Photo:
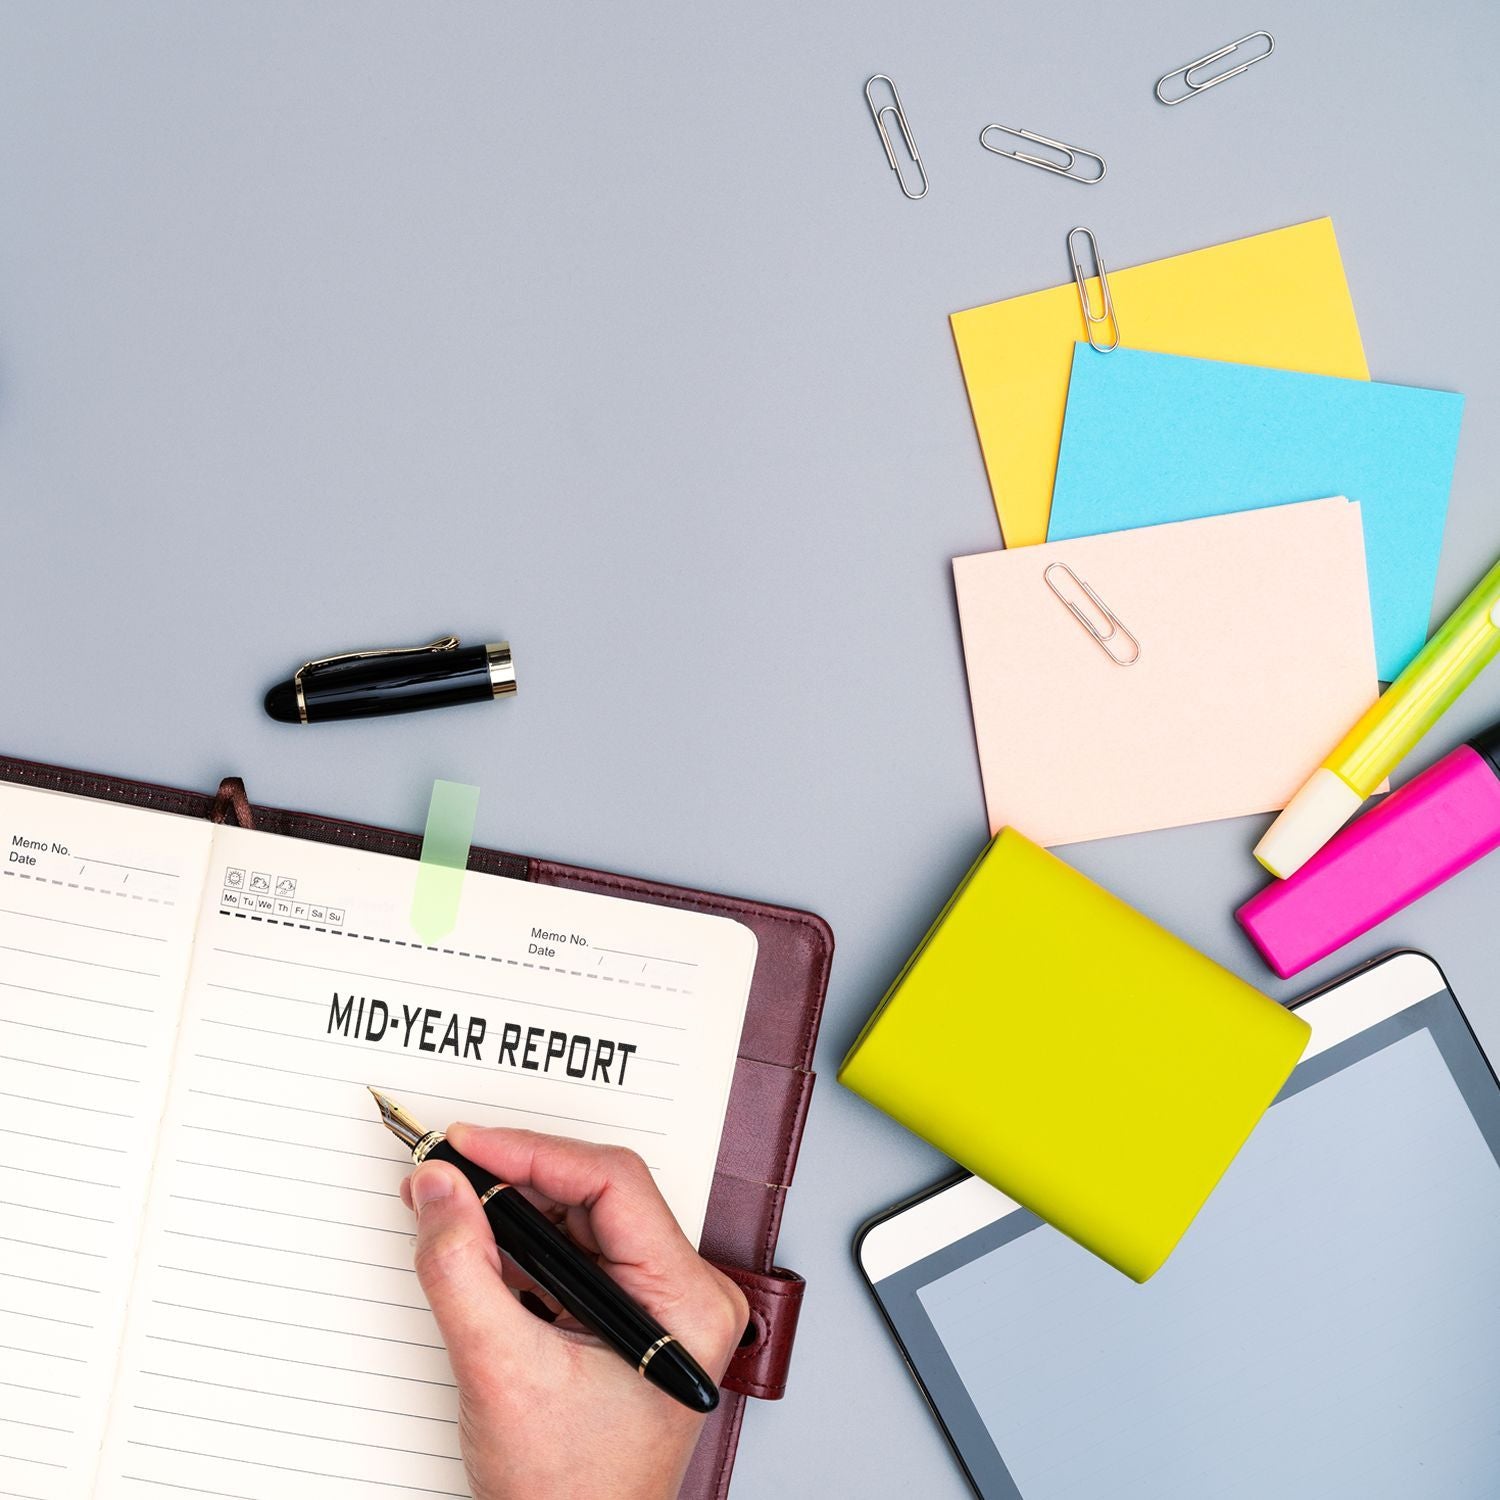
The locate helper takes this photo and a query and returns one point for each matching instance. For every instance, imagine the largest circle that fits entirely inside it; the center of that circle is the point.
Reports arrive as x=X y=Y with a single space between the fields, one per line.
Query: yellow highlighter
x=1464 y=643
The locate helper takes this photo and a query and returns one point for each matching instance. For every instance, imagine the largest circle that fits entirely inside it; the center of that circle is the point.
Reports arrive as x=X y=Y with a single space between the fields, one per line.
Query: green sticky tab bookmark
x=445 y=855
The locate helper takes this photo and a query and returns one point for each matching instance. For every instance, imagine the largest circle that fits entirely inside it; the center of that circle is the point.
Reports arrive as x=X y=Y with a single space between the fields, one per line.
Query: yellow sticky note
x=1277 y=299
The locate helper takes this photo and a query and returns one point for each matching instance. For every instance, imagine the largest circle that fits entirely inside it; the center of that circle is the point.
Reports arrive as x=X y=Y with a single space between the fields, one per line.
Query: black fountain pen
x=396 y=680
x=560 y=1268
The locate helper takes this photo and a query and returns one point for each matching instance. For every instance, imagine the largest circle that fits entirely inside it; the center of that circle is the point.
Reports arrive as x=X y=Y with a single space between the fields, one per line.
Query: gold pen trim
x=502 y=668
x=650 y=1354
x=485 y=1197
x=426 y=1144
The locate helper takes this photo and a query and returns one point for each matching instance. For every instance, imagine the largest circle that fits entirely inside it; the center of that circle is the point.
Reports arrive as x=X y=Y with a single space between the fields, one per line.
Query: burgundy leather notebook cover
x=773 y=1077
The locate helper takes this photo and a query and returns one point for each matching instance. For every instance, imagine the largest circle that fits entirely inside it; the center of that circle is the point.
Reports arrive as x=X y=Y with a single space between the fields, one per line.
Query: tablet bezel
x=944 y=1215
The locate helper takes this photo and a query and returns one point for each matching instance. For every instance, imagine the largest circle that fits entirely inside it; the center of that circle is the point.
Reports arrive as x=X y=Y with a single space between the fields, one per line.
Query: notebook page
x=97 y=908
x=279 y=1342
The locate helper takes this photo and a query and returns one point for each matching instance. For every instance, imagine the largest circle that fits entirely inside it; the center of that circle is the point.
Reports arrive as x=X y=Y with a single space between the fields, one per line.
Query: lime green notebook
x=1068 y=1050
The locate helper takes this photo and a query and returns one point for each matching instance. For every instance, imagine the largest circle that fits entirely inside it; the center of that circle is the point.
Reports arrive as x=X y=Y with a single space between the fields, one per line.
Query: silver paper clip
x=1107 y=314
x=897 y=112
x=1102 y=638
x=1063 y=169
x=1194 y=87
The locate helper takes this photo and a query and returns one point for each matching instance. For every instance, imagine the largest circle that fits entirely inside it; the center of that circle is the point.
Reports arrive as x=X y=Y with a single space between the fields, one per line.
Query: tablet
x=1329 y=1326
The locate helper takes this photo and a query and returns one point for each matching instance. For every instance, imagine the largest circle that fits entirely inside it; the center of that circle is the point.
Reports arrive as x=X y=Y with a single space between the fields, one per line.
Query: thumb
x=487 y=1332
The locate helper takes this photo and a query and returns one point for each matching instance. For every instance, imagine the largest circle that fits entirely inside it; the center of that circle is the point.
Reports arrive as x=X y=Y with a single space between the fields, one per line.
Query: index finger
x=628 y=1216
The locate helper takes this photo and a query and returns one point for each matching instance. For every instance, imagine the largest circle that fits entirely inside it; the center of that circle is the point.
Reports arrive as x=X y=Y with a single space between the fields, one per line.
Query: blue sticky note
x=1151 y=438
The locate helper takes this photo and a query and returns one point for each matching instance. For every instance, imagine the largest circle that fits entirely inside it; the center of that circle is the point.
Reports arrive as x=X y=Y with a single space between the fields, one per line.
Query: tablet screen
x=1330 y=1325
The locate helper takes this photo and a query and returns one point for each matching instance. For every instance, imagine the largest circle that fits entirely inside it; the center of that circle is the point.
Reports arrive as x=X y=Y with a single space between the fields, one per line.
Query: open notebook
x=205 y=1272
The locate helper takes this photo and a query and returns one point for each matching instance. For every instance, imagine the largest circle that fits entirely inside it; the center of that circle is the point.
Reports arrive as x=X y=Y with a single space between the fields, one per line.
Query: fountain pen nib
x=396 y=1120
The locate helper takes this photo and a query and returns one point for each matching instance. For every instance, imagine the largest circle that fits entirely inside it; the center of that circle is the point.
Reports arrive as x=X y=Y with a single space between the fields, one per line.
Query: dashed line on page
x=93 y=890
x=517 y=963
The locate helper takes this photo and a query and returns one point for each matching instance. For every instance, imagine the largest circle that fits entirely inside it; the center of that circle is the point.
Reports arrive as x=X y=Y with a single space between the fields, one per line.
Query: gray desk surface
x=606 y=327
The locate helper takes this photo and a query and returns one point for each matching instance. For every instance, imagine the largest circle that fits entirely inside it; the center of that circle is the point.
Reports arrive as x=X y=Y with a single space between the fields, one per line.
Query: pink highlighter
x=1439 y=823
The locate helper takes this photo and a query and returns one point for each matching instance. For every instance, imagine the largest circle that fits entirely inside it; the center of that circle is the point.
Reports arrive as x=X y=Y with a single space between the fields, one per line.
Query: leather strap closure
x=232 y=805
x=759 y=1366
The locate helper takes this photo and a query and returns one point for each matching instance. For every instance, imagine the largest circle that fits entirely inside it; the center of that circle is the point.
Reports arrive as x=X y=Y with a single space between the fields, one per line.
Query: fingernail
x=428 y=1186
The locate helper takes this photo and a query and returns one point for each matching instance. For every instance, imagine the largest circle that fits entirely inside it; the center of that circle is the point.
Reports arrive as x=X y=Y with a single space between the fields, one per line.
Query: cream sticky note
x=1253 y=653
x=1277 y=299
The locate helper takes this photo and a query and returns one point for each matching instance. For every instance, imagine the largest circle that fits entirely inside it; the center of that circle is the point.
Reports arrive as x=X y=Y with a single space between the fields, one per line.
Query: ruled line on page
x=449 y=989
x=339 y=1187
x=654 y=958
x=5 y=1166
x=345 y=1187
x=57 y=1140
x=134 y=869
x=524 y=1075
x=283 y=1213
x=65 y=1249
x=302 y=1109
x=358 y=1083
x=311 y=1364
x=82 y=1036
x=45 y=1318
x=34 y=916
x=88 y=963
x=250 y=1390
x=118 y=1114
x=272 y=1140
x=39 y=1426
x=191 y=1489
x=34 y=1062
x=10 y=984
x=71 y=1359
x=281 y=1286
x=41 y=1390
x=242 y=1062
x=65 y=1286
x=316 y=1437
x=387 y=1484
x=348 y=1333
x=344 y=1260
x=514 y=1109
x=236 y=989
x=60 y=1213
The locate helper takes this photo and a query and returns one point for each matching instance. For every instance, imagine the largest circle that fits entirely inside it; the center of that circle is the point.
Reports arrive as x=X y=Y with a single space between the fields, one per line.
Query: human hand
x=547 y=1411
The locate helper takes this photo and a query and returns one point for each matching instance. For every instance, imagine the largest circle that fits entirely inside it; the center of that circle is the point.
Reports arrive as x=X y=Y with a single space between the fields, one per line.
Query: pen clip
x=442 y=643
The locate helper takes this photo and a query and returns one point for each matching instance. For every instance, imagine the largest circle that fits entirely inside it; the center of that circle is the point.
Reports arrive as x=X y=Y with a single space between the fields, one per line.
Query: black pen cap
x=367 y=684
x=281 y=703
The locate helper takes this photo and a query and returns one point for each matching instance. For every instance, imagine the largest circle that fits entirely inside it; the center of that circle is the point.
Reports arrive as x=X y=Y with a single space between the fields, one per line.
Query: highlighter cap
x=1324 y=804
x=1488 y=745
x=1424 y=833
